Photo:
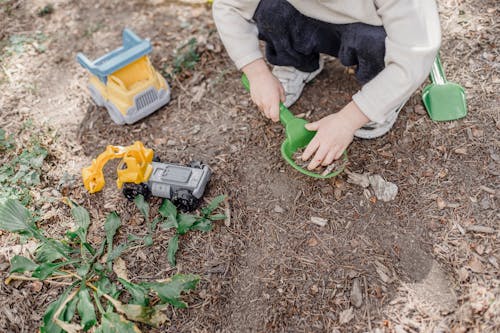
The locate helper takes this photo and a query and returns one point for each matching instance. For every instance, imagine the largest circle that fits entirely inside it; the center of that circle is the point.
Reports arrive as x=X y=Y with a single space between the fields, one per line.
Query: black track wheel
x=156 y=158
x=185 y=200
x=196 y=164
x=131 y=190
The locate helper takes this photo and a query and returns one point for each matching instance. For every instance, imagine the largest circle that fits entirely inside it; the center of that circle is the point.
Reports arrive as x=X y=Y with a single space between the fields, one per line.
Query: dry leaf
x=461 y=151
x=120 y=269
x=476 y=266
x=312 y=242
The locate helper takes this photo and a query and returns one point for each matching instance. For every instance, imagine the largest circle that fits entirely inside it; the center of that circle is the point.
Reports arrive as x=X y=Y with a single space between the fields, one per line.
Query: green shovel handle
x=285 y=114
x=437 y=73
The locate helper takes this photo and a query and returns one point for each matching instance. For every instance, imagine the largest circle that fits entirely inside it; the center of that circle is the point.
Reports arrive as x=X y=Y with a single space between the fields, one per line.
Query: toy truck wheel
x=156 y=158
x=196 y=164
x=131 y=190
x=185 y=200
x=115 y=114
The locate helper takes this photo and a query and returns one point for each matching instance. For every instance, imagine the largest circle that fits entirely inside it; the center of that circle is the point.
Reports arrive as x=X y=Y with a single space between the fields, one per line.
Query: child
x=393 y=43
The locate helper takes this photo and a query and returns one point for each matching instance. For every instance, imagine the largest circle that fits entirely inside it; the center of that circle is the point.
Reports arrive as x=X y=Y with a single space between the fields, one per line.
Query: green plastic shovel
x=443 y=100
x=297 y=136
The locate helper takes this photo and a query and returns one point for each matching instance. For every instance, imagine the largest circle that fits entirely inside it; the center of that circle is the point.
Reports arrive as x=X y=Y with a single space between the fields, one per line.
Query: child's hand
x=334 y=134
x=265 y=89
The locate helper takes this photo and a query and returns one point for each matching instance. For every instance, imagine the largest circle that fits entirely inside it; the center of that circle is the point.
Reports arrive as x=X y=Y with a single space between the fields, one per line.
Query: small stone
x=461 y=151
x=171 y=143
x=356 y=294
x=319 y=221
x=278 y=209
x=384 y=190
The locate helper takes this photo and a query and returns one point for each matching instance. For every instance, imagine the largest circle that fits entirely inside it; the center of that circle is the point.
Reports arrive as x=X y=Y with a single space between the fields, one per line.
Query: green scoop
x=297 y=136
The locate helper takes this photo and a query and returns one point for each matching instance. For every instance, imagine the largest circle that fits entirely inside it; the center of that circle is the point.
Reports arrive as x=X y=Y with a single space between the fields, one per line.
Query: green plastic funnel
x=297 y=136
x=443 y=100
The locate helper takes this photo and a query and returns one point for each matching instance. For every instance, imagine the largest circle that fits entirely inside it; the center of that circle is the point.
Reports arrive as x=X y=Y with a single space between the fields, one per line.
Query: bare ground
x=420 y=266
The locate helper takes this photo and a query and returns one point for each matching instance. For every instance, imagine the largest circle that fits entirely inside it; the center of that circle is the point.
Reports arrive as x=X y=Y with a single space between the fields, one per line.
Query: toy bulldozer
x=139 y=173
x=125 y=82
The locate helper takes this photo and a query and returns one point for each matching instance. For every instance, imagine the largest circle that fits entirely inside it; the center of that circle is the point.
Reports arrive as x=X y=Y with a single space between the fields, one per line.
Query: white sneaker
x=374 y=130
x=293 y=80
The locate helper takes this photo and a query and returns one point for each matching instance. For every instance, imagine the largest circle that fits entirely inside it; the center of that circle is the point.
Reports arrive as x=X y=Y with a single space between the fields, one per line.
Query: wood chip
x=346 y=316
x=481 y=229
x=441 y=203
x=319 y=221
x=356 y=294
x=358 y=179
x=278 y=209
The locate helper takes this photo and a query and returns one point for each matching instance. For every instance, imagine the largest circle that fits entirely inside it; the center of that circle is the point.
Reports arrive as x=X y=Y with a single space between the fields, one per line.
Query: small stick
x=366 y=304
x=487 y=189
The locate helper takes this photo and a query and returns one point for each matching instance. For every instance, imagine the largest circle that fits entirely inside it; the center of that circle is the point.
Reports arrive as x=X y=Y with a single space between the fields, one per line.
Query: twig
x=367 y=305
x=487 y=189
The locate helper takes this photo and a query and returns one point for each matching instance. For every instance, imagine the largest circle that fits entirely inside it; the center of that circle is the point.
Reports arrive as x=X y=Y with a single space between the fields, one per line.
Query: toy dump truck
x=125 y=82
x=139 y=173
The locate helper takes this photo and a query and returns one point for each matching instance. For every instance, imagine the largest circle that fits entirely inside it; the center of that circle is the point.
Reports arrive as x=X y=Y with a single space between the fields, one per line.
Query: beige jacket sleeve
x=239 y=35
x=413 y=40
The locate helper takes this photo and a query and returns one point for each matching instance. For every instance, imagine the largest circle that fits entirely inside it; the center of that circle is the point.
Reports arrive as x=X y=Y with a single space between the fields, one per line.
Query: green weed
x=186 y=57
x=183 y=223
x=92 y=294
x=20 y=169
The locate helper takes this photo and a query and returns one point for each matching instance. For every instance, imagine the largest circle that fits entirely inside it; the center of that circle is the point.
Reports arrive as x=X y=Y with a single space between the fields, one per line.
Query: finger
x=339 y=154
x=310 y=149
x=318 y=158
x=282 y=94
x=274 y=112
x=312 y=126
x=330 y=157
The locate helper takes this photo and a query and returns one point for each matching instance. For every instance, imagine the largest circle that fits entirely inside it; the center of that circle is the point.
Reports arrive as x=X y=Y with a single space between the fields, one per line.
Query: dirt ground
x=419 y=263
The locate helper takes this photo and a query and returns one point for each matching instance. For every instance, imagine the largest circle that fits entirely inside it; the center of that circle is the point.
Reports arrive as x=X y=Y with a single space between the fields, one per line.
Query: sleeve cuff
x=242 y=62
x=370 y=110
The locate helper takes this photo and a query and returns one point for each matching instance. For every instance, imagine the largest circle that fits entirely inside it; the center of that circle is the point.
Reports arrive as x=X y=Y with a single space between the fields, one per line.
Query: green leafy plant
x=92 y=294
x=183 y=223
x=185 y=58
x=19 y=169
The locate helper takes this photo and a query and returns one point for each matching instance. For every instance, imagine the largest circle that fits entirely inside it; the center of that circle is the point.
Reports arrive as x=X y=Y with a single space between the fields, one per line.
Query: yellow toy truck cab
x=125 y=82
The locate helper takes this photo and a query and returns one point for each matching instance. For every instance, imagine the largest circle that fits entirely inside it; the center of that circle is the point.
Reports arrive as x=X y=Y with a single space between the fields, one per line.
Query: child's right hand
x=266 y=90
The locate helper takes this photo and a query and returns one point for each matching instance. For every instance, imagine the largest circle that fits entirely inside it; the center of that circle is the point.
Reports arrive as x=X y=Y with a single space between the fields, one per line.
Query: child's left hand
x=334 y=134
